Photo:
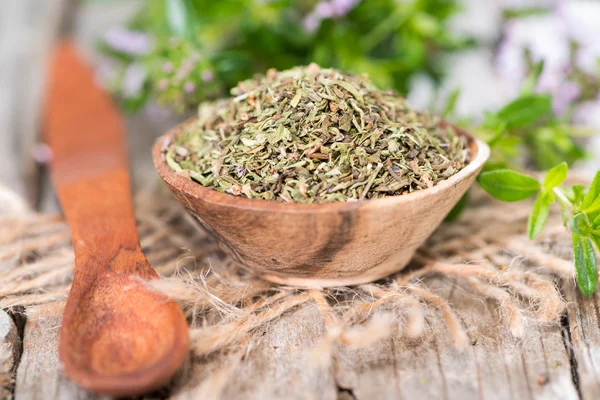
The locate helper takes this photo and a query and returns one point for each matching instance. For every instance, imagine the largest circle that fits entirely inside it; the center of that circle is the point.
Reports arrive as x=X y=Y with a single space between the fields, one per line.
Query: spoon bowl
x=113 y=346
x=321 y=244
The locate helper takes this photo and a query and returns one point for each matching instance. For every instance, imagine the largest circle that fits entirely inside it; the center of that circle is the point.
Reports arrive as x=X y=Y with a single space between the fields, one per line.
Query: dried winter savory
x=315 y=135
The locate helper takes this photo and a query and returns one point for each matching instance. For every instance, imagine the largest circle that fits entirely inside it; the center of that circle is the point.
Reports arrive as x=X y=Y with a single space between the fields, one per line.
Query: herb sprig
x=580 y=207
x=525 y=133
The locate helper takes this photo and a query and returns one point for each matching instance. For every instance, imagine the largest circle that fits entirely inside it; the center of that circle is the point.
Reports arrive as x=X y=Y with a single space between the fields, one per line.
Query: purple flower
x=588 y=113
x=189 y=87
x=324 y=10
x=163 y=84
x=182 y=73
x=133 y=81
x=188 y=65
x=343 y=7
x=566 y=93
x=207 y=75
x=129 y=42
x=167 y=67
x=581 y=20
x=327 y=9
x=544 y=37
x=239 y=170
x=478 y=19
x=311 y=23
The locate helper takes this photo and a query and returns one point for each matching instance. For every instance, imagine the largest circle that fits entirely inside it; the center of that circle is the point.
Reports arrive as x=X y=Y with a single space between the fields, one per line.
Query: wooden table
x=554 y=362
x=561 y=362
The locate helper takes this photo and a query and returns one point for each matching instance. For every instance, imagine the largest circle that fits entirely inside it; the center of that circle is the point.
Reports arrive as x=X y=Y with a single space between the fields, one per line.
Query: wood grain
x=318 y=245
x=10 y=351
x=495 y=366
x=281 y=365
x=39 y=376
x=117 y=336
x=584 y=327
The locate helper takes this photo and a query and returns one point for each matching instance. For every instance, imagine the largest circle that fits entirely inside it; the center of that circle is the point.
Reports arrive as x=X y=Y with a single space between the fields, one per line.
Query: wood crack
x=568 y=342
x=344 y=393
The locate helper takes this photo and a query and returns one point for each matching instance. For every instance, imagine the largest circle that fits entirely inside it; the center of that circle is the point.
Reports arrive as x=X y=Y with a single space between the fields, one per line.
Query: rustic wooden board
x=535 y=366
x=10 y=351
x=39 y=374
x=280 y=365
x=584 y=324
x=495 y=365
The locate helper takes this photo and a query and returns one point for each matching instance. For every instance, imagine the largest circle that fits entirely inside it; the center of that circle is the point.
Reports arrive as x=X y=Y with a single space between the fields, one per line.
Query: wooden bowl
x=319 y=245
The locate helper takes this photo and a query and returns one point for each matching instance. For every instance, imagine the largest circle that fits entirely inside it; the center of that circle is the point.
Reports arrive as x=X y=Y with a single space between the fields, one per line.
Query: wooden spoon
x=117 y=336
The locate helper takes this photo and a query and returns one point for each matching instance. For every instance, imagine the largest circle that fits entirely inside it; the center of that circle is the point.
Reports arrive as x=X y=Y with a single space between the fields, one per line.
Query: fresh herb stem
x=562 y=198
x=580 y=209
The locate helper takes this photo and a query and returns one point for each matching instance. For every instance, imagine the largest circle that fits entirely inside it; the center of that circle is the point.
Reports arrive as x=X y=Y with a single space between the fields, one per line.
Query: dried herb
x=315 y=135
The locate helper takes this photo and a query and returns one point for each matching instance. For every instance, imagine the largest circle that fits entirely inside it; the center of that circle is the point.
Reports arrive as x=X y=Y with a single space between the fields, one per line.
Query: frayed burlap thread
x=485 y=253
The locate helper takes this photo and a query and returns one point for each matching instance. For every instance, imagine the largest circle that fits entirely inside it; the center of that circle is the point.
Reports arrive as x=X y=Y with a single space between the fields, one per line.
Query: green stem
x=562 y=198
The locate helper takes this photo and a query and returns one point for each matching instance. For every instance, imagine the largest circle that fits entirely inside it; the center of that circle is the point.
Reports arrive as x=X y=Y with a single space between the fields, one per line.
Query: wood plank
x=399 y=367
x=369 y=373
x=534 y=366
x=584 y=327
x=39 y=376
x=276 y=362
x=279 y=364
x=495 y=365
x=10 y=349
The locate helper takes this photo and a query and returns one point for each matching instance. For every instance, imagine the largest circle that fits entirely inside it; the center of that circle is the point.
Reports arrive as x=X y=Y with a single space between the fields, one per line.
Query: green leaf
x=581 y=224
x=538 y=217
x=556 y=176
x=586 y=270
x=592 y=197
x=596 y=239
x=508 y=185
x=525 y=110
x=596 y=223
x=575 y=194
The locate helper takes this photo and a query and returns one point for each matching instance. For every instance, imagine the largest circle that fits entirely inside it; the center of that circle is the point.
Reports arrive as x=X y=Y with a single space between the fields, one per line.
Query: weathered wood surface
x=495 y=365
x=584 y=325
x=39 y=376
x=281 y=363
x=10 y=351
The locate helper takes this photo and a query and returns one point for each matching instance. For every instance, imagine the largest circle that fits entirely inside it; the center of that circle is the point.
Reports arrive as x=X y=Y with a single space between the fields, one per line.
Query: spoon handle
x=89 y=164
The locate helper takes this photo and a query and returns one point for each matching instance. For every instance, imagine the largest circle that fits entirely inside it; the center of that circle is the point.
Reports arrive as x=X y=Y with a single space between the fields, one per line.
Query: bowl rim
x=197 y=191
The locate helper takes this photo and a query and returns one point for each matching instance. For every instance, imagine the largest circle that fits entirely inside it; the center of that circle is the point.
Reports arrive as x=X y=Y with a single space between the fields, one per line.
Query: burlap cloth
x=485 y=253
